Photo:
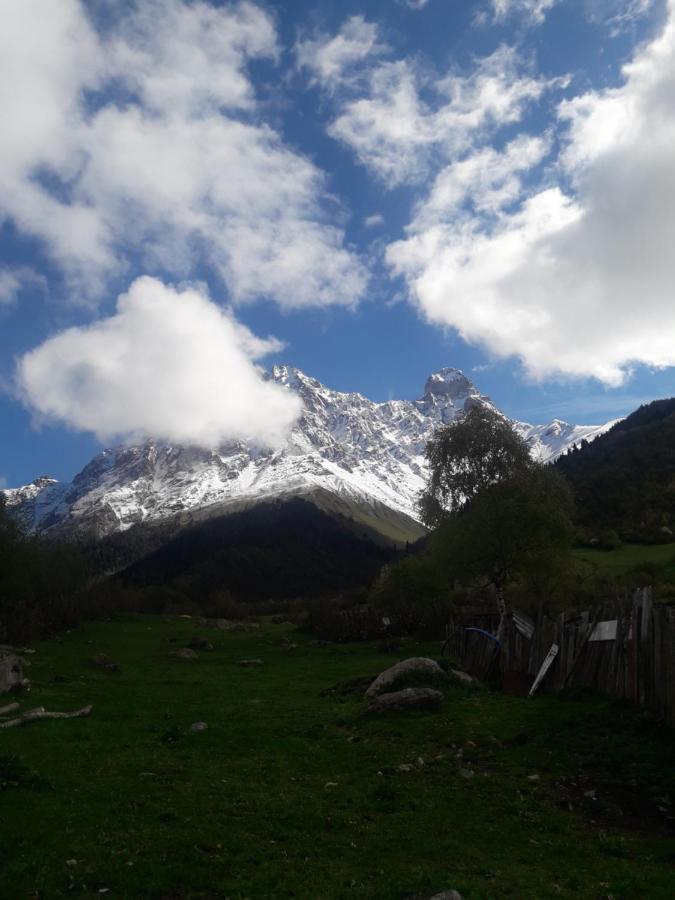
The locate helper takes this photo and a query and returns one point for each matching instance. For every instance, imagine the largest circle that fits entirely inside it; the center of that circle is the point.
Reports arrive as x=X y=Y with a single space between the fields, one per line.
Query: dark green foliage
x=415 y=594
x=517 y=530
x=625 y=479
x=468 y=456
x=41 y=584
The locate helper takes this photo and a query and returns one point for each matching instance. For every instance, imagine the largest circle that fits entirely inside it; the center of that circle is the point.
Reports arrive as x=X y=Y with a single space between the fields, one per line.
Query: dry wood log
x=9 y=709
x=33 y=715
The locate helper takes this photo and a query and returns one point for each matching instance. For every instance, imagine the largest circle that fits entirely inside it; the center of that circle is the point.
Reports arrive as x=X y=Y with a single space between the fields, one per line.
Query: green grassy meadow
x=293 y=793
x=618 y=562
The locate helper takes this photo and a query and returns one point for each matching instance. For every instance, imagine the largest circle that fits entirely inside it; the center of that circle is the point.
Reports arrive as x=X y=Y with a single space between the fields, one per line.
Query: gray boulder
x=417 y=665
x=407 y=699
x=11 y=673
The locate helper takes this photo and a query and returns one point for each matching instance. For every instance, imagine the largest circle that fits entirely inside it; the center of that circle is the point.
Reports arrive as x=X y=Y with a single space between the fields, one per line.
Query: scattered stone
x=101 y=661
x=420 y=761
x=199 y=643
x=533 y=778
x=198 y=726
x=330 y=784
x=467 y=773
x=249 y=663
x=462 y=677
x=185 y=653
x=470 y=745
x=439 y=757
x=408 y=699
x=404 y=767
x=592 y=796
x=417 y=665
x=439 y=895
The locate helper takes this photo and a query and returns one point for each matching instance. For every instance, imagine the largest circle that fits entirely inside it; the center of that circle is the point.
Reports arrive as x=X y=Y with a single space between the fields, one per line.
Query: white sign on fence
x=604 y=631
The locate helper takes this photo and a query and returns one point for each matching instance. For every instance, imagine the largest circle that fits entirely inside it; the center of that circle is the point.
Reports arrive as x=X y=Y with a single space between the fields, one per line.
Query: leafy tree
x=518 y=529
x=502 y=517
x=468 y=456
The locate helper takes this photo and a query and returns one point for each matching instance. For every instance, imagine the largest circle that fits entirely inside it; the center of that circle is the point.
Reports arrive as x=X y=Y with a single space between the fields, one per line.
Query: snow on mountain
x=371 y=453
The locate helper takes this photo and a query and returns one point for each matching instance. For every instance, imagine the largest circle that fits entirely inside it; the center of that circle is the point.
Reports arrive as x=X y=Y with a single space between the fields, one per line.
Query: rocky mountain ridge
x=356 y=449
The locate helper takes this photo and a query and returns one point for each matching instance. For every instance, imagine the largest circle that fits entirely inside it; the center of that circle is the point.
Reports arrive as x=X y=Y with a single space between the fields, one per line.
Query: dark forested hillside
x=271 y=551
x=625 y=479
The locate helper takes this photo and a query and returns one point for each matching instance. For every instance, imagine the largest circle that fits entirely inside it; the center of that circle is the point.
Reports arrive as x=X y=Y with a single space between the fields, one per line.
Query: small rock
x=590 y=794
x=198 y=726
x=249 y=663
x=101 y=661
x=404 y=768
x=439 y=895
x=408 y=699
x=462 y=677
x=467 y=773
x=470 y=745
x=185 y=653
x=420 y=761
x=199 y=643
x=330 y=784
x=534 y=777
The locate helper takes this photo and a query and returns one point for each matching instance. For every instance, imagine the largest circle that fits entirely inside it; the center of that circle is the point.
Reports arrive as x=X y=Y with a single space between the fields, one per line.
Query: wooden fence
x=626 y=651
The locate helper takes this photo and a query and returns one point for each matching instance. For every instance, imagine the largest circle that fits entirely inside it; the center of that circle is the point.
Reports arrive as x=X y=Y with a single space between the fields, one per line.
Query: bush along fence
x=626 y=651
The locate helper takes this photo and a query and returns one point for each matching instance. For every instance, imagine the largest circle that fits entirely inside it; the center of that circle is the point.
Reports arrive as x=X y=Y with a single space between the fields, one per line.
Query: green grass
x=130 y=801
x=618 y=562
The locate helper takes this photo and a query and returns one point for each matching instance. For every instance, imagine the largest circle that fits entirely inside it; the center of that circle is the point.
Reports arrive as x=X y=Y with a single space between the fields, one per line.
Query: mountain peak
x=449 y=383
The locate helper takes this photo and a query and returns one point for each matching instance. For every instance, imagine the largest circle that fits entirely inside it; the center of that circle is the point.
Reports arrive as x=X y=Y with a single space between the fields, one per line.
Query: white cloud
x=618 y=16
x=169 y=365
x=14 y=279
x=334 y=61
x=374 y=220
x=397 y=133
x=531 y=10
x=577 y=277
x=149 y=140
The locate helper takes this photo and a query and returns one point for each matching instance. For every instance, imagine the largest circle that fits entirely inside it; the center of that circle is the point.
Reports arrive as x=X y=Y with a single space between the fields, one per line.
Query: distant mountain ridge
x=368 y=455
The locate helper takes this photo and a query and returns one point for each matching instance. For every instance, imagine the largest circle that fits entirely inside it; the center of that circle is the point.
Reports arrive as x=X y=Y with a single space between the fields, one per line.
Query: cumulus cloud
x=576 y=276
x=149 y=139
x=332 y=61
x=397 y=133
x=169 y=364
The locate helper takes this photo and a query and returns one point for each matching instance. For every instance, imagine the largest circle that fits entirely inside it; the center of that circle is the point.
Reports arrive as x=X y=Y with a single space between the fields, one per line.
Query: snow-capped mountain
x=355 y=449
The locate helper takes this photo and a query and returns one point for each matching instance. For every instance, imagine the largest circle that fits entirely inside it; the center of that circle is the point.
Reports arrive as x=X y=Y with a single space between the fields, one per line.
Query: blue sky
x=367 y=191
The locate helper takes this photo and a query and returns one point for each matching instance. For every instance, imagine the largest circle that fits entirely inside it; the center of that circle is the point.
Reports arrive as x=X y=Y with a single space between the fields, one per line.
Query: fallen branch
x=33 y=715
x=7 y=710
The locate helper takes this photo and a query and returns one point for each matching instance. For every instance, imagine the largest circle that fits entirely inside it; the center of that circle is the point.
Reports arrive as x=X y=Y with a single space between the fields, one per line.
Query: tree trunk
x=501 y=607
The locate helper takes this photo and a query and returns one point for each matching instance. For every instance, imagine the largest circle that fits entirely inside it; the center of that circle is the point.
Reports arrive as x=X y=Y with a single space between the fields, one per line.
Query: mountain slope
x=275 y=550
x=370 y=455
x=625 y=479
